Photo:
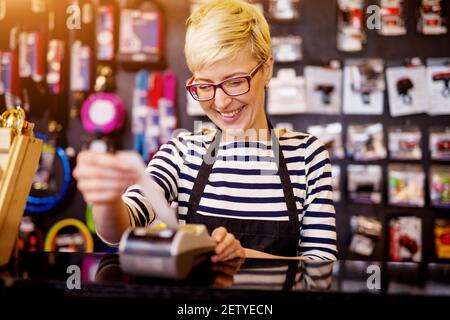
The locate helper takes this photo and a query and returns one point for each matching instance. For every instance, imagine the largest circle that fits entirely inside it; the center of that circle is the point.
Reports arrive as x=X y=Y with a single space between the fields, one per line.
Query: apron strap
x=203 y=176
x=285 y=179
x=206 y=168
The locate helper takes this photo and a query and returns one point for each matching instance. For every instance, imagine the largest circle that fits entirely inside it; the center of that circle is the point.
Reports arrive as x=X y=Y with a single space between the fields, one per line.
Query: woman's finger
x=225 y=243
x=230 y=252
x=219 y=234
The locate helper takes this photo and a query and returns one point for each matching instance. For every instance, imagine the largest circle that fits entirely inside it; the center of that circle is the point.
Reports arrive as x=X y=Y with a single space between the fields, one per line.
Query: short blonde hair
x=222 y=29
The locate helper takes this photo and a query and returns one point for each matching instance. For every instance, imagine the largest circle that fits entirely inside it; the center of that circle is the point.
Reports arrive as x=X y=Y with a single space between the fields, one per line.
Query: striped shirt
x=244 y=184
x=309 y=275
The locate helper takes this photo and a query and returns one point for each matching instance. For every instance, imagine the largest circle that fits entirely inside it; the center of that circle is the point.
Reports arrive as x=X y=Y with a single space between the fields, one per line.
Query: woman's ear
x=268 y=71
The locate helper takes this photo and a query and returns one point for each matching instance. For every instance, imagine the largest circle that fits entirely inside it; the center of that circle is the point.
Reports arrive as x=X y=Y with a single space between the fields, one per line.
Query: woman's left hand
x=228 y=247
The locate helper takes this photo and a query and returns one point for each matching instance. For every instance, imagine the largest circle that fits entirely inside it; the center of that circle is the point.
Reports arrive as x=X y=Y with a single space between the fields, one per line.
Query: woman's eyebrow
x=224 y=78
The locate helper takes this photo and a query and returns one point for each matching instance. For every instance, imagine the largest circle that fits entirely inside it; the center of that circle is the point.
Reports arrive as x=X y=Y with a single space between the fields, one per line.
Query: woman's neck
x=252 y=134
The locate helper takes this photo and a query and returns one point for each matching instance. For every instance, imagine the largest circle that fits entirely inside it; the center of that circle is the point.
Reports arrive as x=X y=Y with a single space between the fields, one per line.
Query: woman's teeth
x=232 y=113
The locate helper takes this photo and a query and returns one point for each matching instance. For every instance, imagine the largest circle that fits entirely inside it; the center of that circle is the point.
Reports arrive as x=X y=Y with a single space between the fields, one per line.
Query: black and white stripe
x=244 y=185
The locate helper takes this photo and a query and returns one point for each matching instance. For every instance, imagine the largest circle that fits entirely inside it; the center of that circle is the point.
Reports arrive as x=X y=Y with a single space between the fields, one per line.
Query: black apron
x=274 y=237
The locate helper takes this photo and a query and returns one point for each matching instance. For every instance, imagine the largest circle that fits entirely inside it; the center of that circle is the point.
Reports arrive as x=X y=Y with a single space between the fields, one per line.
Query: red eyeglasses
x=235 y=86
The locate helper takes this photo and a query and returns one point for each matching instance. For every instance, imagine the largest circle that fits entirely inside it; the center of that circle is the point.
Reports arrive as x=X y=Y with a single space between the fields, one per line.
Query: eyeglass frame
x=248 y=77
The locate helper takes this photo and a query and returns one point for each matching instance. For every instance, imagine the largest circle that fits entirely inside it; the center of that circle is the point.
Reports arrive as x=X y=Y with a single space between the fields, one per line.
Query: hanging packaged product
x=55 y=56
x=82 y=41
x=432 y=17
x=405 y=239
x=366 y=232
x=285 y=10
x=30 y=237
x=287 y=49
x=323 y=89
x=365 y=142
x=286 y=93
x=331 y=136
x=31 y=56
x=140 y=112
x=152 y=121
x=442 y=238
x=80 y=67
x=154 y=115
x=350 y=25
x=80 y=75
x=364 y=183
x=440 y=186
x=105 y=33
x=363 y=86
x=9 y=75
x=407 y=89
x=46 y=192
x=440 y=143
x=335 y=182
x=166 y=106
x=141 y=34
x=406 y=185
x=438 y=79
x=69 y=235
x=404 y=143
x=393 y=15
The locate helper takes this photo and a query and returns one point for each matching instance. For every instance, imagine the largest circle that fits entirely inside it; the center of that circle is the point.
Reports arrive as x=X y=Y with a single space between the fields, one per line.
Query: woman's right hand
x=102 y=177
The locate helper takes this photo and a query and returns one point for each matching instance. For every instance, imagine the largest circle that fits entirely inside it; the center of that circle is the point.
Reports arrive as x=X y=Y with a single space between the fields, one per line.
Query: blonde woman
x=261 y=192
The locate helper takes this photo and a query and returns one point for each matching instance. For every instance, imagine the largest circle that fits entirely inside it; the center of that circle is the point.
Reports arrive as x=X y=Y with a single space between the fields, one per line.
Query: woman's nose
x=221 y=100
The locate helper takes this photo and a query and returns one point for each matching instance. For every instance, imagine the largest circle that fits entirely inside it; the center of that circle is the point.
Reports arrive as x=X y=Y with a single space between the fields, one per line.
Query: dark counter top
x=44 y=276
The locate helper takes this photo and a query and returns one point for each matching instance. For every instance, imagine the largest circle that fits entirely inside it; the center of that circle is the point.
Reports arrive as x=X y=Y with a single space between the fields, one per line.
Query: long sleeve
x=318 y=230
x=164 y=169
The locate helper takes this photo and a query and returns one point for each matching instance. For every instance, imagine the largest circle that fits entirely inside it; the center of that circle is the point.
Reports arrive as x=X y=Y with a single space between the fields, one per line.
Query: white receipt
x=164 y=211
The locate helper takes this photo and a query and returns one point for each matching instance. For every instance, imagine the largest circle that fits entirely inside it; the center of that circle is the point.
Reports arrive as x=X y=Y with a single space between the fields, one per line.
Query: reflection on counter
x=258 y=274
x=102 y=273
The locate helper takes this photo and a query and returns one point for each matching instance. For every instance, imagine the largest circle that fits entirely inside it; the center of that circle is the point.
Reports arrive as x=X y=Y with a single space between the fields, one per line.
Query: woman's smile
x=230 y=117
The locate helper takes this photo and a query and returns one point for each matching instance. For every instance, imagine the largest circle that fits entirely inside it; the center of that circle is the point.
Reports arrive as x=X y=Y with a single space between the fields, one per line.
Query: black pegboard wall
x=317 y=27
